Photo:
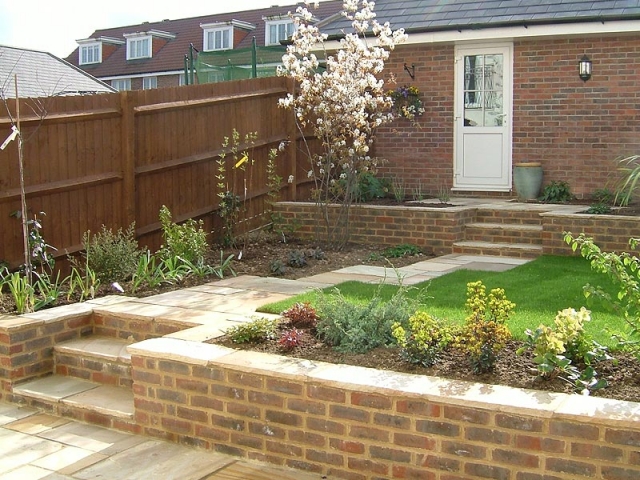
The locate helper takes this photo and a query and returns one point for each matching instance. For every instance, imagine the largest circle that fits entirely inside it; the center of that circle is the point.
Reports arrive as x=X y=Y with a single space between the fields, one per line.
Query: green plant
x=623 y=269
x=22 y=292
x=406 y=102
x=359 y=327
x=290 y=339
x=316 y=253
x=556 y=192
x=229 y=211
x=256 y=331
x=277 y=267
x=485 y=332
x=148 y=272
x=444 y=194
x=557 y=352
x=402 y=250
x=48 y=289
x=399 y=190
x=85 y=281
x=112 y=256
x=599 y=209
x=603 y=196
x=368 y=187
x=629 y=168
x=301 y=315
x=424 y=338
x=187 y=241
x=418 y=192
x=297 y=259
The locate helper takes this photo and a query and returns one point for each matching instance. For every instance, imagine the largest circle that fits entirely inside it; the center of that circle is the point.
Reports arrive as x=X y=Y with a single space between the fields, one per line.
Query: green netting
x=237 y=64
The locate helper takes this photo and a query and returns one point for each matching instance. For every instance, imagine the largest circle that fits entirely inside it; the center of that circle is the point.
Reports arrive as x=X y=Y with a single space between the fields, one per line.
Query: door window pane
x=483 y=85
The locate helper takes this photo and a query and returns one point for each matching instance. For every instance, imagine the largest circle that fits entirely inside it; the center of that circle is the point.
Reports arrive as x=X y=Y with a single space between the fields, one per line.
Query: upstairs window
x=278 y=30
x=91 y=53
x=138 y=47
x=218 y=39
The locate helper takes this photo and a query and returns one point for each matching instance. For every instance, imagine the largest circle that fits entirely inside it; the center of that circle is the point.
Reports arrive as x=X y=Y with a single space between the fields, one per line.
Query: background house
x=499 y=82
x=41 y=74
x=152 y=54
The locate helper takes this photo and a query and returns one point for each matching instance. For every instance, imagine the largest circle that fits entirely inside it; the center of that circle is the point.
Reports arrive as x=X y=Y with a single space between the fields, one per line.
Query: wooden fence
x=114 y=159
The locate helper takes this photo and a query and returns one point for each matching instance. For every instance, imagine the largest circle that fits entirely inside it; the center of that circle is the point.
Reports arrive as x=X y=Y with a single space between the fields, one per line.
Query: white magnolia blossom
x=343 y=103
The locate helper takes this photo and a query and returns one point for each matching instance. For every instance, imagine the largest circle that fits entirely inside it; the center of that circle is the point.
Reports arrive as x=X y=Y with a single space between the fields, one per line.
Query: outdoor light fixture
x=584 y=68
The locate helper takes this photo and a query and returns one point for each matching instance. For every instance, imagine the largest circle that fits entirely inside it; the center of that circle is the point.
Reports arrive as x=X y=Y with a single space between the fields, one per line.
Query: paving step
x=520 y=215
x=103 y=360
x=518 y=250
x=90 y=402
x=503 y=233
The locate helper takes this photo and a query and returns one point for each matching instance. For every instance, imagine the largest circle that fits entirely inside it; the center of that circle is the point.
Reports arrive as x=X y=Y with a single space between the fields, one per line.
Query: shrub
x=603 y=196
x=187 y=241
x=297 y=259
x=485 y=332
x=557 y=192
x=599 y=209
x=423 y=340
x=255 y=331
x=112 y=256
x=277 y=267
x=290 y=339
x=301 y=315
x=358 y=328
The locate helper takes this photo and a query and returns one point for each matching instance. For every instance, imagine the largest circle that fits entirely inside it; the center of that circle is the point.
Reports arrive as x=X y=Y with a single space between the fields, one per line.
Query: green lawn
x=539 y=289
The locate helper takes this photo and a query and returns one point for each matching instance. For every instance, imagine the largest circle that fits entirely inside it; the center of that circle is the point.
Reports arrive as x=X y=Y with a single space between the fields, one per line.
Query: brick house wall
x=575 y=129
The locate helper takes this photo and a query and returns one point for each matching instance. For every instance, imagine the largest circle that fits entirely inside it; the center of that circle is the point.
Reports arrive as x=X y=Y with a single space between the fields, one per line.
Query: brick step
x=504 y=233
x=520 y=215
x=518 y=250
x=103 y=360
x=82 y=400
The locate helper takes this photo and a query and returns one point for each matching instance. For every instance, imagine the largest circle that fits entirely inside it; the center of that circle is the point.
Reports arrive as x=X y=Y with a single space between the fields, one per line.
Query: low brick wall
x=358 y=423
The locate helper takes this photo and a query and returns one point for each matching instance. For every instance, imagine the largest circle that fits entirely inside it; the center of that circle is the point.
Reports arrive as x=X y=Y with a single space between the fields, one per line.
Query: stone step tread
x=106 y=348
x=80 y=394
x=506 y=226
x=498 y=245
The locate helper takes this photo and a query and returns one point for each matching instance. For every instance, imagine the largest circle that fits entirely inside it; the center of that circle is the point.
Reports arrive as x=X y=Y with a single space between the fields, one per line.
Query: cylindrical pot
x=527 y=180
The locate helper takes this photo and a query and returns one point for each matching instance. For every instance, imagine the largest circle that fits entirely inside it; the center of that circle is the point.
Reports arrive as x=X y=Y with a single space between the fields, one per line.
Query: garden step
x=90 y=402
x=519 y=250
x=103 y=360
x=516 y=215
x=503 y=233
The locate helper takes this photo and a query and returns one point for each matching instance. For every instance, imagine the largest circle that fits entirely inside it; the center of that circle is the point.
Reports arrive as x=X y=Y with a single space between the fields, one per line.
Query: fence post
x=128 y=158
x=292 y=135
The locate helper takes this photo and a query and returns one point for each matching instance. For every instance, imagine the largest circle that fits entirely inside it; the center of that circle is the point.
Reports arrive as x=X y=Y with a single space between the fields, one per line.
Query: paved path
x=35 y=445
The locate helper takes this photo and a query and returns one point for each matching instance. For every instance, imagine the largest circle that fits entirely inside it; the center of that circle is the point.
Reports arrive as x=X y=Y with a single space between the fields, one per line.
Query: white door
x=483 y=118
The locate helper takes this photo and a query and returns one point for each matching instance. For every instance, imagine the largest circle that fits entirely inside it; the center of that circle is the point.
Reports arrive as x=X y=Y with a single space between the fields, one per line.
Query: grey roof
x=41 y=74
x=437 y=15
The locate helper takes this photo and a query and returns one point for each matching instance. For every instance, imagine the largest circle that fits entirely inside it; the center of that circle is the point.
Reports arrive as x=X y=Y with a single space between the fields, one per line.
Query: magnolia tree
x=341 y=103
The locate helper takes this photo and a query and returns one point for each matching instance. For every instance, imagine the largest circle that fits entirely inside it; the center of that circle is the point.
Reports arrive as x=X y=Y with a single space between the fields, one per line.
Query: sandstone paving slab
x=489 y=267
x=216 y=289
x=63 y=312
x=279 y=285
x=177 y=298
x=135 y=309
x=64 y=457
x=180 y=350
x=244 y=303
x=78 y=465
x=25 y=472
x=25 y=451
x=10 y=413
x=54 y=387
x=110 y=300
x=88 y=437
x=113 y=401
x=37 y=423
x=102 y=347
x=430 y=266
x=334 y=278
x=156 y=459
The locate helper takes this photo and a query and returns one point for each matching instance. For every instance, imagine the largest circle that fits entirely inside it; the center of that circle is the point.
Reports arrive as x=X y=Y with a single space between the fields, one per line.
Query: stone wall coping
x=469 y=394
x=63 y=312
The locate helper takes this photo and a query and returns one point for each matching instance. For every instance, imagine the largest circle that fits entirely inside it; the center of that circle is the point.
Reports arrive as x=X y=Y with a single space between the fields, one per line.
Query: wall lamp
x=584 y=68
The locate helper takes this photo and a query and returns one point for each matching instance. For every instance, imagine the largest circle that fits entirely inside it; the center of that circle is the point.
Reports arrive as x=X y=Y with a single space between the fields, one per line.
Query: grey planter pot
x=527 y=180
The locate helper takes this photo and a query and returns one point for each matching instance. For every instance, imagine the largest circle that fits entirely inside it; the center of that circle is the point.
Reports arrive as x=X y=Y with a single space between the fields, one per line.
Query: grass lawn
x=539 y=289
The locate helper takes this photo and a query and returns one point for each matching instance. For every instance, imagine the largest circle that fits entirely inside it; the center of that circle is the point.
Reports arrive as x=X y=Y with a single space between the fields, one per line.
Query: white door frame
x=502 y=180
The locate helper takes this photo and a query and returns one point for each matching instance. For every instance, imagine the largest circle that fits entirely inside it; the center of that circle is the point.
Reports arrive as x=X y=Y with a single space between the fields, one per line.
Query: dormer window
x=224 y=35
x=278 y=29
x=138 y=47
x=90 y=53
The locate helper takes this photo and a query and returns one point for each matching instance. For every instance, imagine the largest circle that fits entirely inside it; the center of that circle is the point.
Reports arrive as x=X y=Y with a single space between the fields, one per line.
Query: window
x=149 y=83
x=121 y=84
x=91 y=53
x=278 y=30
x=181 y=80
x=138 y=47
x=218 y=39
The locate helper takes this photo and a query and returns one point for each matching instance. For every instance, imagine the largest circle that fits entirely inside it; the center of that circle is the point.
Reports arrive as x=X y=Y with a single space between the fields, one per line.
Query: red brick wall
x=575 y=129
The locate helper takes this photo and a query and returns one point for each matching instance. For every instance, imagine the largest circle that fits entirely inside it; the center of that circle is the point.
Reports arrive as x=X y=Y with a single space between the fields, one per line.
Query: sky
x=55 y=25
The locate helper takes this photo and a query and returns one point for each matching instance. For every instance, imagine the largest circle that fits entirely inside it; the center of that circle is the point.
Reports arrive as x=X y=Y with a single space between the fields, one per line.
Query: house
x=41 y=74
x=500 y=83
x=152 y=54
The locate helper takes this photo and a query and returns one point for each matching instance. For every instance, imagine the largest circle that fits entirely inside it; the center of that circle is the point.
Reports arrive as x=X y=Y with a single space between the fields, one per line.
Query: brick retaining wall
x=358 y=423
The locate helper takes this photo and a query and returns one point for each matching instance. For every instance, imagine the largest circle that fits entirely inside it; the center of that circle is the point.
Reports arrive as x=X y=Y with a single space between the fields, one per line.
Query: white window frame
x=210 y=34
x=149 y=83
x=182 y=80
x=93 y=50
x=133 y=51
x=268 y=40
x=121 y=84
